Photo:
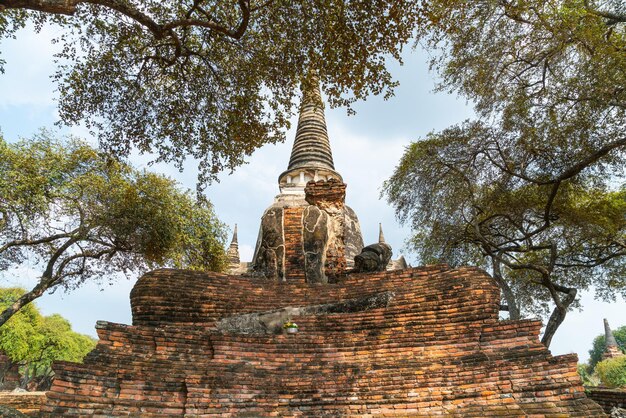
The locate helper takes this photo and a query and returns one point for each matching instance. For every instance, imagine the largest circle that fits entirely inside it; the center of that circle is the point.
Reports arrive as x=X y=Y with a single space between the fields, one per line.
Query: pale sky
x=366 y=148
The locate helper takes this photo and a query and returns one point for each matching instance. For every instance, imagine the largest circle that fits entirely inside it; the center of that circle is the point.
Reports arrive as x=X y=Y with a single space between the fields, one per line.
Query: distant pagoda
x=234 y=262
x=611 y=349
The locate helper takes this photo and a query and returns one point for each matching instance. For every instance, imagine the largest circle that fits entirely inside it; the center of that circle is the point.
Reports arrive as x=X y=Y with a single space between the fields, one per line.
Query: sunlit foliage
x=76 y=214
x=34 y=341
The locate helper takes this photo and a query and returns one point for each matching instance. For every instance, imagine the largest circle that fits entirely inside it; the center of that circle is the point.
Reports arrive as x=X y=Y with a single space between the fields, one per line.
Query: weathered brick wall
x=294 y=258
x=9 y=373
x=608 y=398
x=179 y=296
x=436 y=348
x=27 y=403
x=330 y=197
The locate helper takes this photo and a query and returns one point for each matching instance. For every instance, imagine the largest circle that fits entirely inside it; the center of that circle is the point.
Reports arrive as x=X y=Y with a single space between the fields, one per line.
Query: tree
x=35 y=341
x=529 y=188
x=550 y=72
x=78 y=214
x=542 y=243
x=210 y=79
x=599 y=345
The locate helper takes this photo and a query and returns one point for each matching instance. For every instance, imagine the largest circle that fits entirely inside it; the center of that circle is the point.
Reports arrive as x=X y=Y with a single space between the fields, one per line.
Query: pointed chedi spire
x=311 y=147
x=608 y=334
x=381 y=236
x=311 y=156
x=233 y=253
x=611 y=349
x=234 y=240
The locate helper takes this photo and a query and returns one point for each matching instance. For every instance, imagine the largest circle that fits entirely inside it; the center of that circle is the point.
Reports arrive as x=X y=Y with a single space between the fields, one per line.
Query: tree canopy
x=550 y=73
x=532 y=187
x=542 y=243
x=35 y=341
x=209 y=79
x=77 y=214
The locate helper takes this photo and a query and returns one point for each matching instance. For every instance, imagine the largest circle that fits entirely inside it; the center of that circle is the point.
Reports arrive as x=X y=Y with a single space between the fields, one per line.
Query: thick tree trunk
x=507 y=293
x=66 y=7
x=43 y=285
x=558 y=316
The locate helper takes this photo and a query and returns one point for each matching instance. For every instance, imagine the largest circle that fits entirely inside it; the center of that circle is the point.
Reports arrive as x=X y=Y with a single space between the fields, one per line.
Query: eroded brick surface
x=608 y=398
x=27 y=403
x=437 y=348
x=9 y=373
x=294 y=257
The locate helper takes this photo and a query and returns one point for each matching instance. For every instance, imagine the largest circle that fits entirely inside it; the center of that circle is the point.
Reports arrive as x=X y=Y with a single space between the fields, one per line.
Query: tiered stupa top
x=311 y=156
x=280 y=249
x=233 y=253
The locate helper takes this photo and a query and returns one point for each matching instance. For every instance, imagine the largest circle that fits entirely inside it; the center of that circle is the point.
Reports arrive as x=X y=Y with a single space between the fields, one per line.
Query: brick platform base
x=437 y=348
x=27 y=403
x=608 y=398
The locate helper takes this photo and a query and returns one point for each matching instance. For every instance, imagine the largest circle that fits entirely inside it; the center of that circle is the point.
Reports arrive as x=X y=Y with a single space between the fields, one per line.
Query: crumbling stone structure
x=19 y=404
x=9 y=373
x=430 y=344
x=323 y=231
x=608 y=398
x=410 y=342
x=309 y=222
x=376 y=257
x=234 y=263
x=611 y=349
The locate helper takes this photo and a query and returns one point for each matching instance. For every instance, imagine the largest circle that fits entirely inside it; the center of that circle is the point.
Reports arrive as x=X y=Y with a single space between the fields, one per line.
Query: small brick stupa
x=611 y=349
x=409 y=342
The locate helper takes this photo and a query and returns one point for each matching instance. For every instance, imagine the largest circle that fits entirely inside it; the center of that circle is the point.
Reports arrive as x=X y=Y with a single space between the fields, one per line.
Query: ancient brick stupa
x=409 y=342
x=611 y=349
x=308 y=219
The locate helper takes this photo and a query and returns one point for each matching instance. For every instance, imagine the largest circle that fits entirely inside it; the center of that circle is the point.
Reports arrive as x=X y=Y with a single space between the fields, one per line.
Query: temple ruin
x=375 y=338
x=611 y=349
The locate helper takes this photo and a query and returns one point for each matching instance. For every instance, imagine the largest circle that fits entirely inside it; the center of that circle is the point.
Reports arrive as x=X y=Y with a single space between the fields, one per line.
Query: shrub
x=588 y=378
x=612 y=372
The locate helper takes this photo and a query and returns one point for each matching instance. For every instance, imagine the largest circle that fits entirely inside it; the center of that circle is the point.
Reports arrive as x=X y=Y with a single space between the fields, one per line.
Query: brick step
x=157 y=297
x=436 y=349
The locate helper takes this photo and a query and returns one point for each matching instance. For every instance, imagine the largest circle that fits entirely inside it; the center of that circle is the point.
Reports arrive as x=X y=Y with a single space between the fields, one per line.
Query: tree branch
x=160 y=31
x=64 y=7
x=82 y=255
x=28 y=243
x=237 y=33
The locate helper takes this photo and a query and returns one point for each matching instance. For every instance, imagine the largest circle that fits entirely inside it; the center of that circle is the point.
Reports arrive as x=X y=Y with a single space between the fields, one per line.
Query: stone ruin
x=309 y=223
x=421 y=341
x=9 y=373
x=612 y=400
x=611 y=349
